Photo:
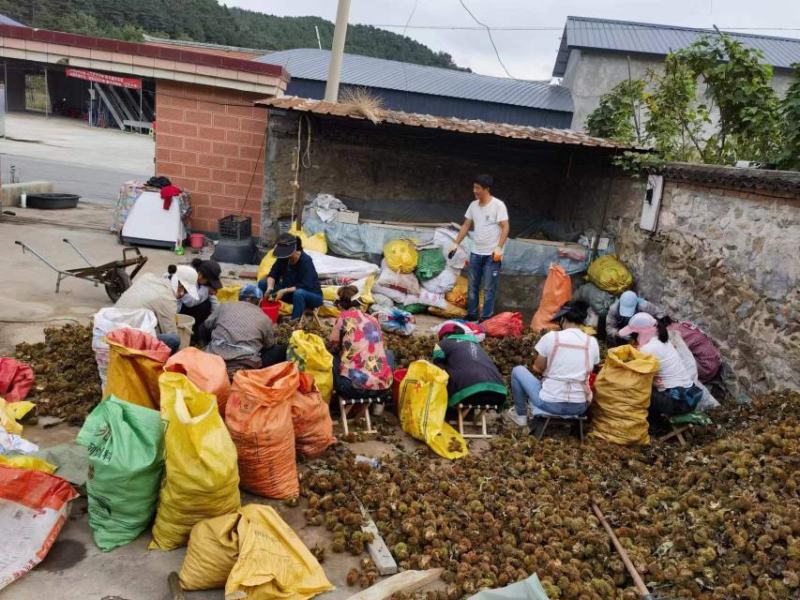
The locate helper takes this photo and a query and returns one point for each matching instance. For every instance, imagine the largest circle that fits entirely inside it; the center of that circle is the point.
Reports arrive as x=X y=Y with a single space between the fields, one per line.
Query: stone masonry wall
x=210 y=141
x=725 y=259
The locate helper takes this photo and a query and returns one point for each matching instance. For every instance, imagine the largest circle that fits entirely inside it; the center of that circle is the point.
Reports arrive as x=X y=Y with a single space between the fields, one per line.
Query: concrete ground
x=75 y=569
x=90 y=161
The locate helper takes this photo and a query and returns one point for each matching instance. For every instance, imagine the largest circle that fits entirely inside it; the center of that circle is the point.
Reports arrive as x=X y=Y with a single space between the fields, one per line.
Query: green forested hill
x=208 y=21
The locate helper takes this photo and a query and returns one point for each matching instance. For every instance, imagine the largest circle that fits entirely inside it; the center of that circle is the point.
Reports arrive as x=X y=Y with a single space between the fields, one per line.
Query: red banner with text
x=132 y=83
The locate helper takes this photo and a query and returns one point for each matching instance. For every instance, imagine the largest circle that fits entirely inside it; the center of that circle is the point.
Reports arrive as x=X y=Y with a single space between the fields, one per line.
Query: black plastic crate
x=234 y=227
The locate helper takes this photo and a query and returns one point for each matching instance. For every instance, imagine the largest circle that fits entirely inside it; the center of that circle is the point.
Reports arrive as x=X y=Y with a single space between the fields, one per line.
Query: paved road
x=97 y=184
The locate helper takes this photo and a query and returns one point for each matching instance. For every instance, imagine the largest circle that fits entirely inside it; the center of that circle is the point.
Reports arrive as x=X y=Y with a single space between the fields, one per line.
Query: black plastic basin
x=51 y=200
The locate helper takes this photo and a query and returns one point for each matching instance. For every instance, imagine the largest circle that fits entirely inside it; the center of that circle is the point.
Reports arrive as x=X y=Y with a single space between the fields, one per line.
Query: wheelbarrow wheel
x=120 y=281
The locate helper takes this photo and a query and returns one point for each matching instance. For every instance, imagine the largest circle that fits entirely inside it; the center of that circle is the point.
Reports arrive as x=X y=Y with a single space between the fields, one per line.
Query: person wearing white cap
x=620 y=313
x=160 y=294
x=674 y=390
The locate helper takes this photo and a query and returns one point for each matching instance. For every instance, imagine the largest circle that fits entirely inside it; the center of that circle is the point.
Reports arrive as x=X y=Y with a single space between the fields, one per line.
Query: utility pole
x=337 y=50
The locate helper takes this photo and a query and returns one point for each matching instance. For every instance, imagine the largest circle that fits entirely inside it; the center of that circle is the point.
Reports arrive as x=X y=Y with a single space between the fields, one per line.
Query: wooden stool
x=464 y=410
x=682 y=423
x=346 y=406
x=547 y=417
x=312 y=314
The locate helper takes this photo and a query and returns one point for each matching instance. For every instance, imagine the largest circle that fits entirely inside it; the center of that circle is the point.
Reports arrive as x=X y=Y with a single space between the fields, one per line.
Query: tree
x=679 y=122
x=790 y=122
x=616 y=117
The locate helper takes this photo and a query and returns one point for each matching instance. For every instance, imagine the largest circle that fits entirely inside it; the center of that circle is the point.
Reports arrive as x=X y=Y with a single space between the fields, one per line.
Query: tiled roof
x=546 y=135
x=311 y=63
x=787 y=182
x=653 y=39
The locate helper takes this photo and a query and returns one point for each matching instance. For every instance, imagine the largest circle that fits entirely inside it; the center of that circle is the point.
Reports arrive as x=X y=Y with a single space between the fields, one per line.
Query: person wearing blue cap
x=242 y=334
x=621 y=311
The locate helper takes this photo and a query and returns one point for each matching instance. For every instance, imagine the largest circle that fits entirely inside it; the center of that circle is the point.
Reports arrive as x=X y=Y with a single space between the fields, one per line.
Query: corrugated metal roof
x=650 y=38
x=546 y=135
x=4 y=20
x=311 y=63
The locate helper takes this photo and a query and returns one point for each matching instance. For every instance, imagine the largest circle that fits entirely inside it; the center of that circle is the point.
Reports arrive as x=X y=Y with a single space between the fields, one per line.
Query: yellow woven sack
x=28 y=462
x=10 y=412
x=273 y=562
x=212 y=552
x=400 y=255
x=423 y=404
x=316 y=242
x=458 y=295
x=451 y=311
x=265 y=265
x=309 y=352
x=201 y=479
x=229 y=293
x=609 y=274
x=622 y=397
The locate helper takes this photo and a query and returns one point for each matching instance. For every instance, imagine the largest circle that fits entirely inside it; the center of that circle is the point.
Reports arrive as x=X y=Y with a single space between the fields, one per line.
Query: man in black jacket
x=293 y=278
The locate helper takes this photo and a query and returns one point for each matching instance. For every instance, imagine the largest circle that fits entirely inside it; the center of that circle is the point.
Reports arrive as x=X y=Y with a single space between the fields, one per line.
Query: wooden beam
x=407 y=581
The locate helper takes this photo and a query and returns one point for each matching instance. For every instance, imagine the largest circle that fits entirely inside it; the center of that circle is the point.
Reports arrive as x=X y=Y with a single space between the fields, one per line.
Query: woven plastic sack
x=316 y=242
x=35 y=506
x=395 y=285
x=556 y=292
x=400 y=256
x=212 y=551
x=622 y=397
x=273 y=562
x=229 y=293
x=201 y=479
x=136 y=360
x=395 y=320
x=16 y=379
x=450 y=311
x=423 y=399
x=609 y=274
x=458 y=294
x=308 y=351
x=28 y=462
x=207 y=371
x=705 y=353
x=505 y=324
x=443 y=282
x=259 y=418
x=125 y=443
x=107 y=320
x=430 y=262
x=311 y=419
x=10 y=413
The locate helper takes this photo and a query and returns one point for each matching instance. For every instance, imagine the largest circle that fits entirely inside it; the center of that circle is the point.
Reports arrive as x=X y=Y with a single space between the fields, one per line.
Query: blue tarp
x=365 y=241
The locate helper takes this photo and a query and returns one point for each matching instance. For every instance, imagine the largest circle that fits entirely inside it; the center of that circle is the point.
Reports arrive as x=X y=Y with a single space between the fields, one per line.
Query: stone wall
x=724 y=258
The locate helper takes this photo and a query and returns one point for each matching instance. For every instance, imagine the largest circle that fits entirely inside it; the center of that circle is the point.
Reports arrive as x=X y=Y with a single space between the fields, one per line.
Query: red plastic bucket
x=398 y=376
x=196 y=240
x=272 y=309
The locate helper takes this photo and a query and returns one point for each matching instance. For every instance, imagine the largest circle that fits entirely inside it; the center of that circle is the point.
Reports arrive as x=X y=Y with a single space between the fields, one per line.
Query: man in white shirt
x=489 y=218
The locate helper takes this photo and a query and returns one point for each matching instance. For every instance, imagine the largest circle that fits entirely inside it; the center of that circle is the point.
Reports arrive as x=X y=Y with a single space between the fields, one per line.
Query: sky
x=531 y=54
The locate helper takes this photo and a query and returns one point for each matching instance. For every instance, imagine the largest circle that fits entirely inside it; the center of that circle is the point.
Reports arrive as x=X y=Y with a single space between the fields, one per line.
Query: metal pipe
x=337 y=51
x=82 y=255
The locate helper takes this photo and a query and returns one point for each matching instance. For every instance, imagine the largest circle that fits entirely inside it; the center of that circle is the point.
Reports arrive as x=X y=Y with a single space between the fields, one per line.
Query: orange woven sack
x=311 y=418
x=259 y=418
x=207 y=371
x=505 y=324
x=135 y=360
x=557 y=290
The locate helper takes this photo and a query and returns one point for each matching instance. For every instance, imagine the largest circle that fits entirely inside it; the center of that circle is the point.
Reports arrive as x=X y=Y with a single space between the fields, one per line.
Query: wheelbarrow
x=113 y=275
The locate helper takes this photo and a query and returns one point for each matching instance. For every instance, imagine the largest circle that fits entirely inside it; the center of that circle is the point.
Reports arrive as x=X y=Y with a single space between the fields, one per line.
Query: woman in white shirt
x=674 y=391
x=559 y=383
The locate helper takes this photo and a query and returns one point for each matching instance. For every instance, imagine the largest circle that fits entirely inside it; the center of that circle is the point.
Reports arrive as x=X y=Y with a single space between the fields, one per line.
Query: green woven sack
x=125 y=443
x=430 y=263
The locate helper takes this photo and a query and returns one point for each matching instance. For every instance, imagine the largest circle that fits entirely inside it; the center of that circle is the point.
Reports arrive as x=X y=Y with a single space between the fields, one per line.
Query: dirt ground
x=75 y=569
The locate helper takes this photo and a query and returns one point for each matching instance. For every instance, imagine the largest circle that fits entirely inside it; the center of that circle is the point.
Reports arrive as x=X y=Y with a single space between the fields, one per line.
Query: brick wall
x=210 y=141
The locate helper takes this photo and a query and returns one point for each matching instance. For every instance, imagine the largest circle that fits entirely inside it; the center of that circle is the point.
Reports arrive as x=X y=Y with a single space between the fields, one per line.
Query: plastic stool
x=547 y=417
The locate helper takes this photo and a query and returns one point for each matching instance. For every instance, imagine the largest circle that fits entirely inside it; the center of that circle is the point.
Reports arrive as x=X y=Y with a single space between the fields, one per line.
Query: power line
x=491 y=39
x=561 y=27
